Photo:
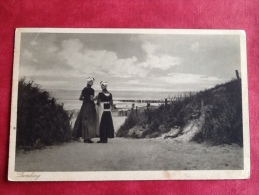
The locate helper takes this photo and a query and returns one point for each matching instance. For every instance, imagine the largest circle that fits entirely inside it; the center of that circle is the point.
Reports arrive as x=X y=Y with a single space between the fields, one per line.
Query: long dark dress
x=85 y=125
x=106 y=129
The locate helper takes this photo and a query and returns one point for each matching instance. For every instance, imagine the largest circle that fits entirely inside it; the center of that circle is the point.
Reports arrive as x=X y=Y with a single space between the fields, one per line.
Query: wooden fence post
x=132 y=107
x=237 y=74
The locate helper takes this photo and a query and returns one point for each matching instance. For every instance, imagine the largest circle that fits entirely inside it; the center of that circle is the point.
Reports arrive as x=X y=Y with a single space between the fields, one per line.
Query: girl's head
x=104 y=85
x=90 y=81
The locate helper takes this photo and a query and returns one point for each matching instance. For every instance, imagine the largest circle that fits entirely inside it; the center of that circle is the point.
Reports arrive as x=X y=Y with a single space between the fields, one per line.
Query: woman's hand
x=95 y=98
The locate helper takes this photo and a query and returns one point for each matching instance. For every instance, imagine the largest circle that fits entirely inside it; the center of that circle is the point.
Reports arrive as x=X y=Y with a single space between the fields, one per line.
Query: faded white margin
x=129 y=175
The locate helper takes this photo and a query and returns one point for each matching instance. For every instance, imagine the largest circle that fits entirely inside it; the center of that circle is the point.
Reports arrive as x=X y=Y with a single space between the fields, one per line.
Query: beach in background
x=70 y=98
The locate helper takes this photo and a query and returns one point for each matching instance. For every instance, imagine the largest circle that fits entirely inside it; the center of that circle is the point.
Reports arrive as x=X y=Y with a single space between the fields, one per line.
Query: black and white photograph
x=129 y=104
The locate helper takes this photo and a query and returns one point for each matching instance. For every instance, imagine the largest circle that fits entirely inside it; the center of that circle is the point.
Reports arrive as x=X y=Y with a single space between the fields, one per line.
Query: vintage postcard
x=129 y=104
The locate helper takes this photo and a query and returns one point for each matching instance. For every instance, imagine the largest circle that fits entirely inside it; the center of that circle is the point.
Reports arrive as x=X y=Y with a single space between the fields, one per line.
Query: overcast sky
x=129 y=61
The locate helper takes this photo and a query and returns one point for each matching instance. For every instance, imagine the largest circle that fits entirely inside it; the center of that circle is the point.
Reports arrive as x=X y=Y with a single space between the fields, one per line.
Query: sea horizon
x=70 y=98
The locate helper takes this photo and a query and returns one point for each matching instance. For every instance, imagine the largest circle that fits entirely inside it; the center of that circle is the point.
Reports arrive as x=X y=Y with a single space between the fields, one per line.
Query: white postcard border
x=129 y=175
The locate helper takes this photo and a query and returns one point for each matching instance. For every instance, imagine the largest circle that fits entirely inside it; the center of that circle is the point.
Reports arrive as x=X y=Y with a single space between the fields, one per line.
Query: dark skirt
x=85 y=125
x=106 y=126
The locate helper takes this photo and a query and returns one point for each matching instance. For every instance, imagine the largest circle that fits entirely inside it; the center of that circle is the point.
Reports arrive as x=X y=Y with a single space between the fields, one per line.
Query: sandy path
x=130 y=154
x=117 y=120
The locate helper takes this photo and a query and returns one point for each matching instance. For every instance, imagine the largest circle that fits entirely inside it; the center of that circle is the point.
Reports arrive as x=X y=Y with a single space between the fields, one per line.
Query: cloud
x=75 y=58
x=195 y=47
x=102 y=62
x=133 y=82
x=181 y=78
x=143 y=89
x=149 y=48
x=140 y=82
x=99 y=61
x=32 y=71
x=33 y=43
x=142 y=64
x=52 y=49
x=163 y=62
x=159 y=60
x=72 y=45
x=28 y=58
x=27 y=55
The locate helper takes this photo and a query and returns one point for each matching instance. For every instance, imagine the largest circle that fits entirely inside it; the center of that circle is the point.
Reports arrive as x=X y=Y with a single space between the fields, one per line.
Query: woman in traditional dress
x=85 y=125
x=105 y=123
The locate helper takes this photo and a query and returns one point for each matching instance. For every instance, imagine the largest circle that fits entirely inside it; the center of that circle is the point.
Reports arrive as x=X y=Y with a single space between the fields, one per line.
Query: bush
x=223 y=122
x=223 y=117
x=132 y=120
x=40 y=119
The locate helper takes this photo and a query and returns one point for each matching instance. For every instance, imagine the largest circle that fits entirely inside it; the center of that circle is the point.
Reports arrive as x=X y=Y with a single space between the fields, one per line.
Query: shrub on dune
x=223 y=115
x=40 y=119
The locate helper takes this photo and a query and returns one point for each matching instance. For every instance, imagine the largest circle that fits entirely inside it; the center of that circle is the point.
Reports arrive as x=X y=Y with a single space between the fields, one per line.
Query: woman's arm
x=81 y=97
x=95 y=98
x=98 y=99
x=111 y=102
x=91 y=97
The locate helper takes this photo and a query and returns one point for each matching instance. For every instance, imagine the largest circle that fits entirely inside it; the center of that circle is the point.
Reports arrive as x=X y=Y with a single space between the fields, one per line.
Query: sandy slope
x=131 y=154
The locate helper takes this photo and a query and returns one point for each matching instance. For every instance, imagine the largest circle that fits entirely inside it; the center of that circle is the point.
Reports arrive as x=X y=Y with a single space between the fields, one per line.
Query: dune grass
x=223 y=115
x=40 y=119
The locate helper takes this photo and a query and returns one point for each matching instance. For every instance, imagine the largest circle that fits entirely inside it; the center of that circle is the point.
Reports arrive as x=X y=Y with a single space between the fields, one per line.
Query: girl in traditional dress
x=85 y=125
x=104 y=117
